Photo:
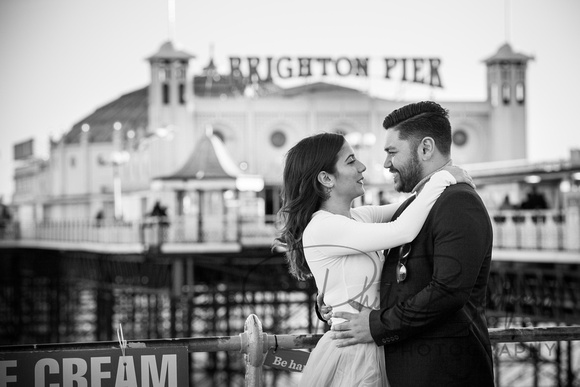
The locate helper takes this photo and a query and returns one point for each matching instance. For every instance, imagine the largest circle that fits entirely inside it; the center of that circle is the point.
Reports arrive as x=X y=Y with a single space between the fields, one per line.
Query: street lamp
x=118 y=158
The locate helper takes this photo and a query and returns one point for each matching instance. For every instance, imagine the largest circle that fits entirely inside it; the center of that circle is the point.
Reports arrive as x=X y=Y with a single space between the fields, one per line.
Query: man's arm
x=462 y=236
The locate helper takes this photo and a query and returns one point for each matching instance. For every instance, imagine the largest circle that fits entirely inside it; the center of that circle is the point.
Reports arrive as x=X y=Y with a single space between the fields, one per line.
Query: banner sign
x=286 y=359
x=140 y=367
x=24 y=150
x=415 y=69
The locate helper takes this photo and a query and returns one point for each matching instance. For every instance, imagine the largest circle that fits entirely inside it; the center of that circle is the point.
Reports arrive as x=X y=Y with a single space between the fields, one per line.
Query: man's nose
x=388 y=164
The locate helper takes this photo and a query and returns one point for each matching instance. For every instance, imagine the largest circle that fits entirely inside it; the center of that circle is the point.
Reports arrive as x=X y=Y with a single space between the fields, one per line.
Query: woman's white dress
x=345 y=257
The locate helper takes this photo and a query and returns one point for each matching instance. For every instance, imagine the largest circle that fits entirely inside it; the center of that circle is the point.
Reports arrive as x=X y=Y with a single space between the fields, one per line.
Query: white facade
x=155 y=135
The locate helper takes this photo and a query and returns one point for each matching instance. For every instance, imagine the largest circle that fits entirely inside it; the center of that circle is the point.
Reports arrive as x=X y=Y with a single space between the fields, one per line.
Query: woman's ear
x=426 y=148
x=325 y=179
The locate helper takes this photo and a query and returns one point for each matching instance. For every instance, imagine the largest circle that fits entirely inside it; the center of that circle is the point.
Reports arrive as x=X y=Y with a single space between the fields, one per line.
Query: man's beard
x=409 y=174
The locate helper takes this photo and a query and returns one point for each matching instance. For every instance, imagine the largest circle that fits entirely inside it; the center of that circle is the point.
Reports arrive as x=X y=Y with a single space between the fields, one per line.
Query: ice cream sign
x=138 y=367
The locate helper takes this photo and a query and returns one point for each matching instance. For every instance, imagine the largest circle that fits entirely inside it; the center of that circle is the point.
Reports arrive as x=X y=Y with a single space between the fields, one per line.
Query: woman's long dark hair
x=302 y=194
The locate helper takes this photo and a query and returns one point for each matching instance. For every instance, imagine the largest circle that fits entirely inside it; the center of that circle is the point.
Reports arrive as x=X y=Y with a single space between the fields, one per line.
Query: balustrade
x=150 y=231
x=540 y=230
x=535 y=230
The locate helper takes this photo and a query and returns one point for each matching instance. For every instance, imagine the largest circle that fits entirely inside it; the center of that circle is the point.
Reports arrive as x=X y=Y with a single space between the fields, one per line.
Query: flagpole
x=171 y=19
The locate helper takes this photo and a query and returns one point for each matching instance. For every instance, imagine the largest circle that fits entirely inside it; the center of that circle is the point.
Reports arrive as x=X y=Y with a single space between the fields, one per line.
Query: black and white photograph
x=310 y=193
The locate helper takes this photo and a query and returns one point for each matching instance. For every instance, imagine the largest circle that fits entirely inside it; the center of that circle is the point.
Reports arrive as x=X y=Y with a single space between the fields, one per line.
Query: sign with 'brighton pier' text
x=415 y=70
x=138 y=367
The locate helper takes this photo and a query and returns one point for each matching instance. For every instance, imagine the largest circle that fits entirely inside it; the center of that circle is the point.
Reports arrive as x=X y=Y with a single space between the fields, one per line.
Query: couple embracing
x=404 y=285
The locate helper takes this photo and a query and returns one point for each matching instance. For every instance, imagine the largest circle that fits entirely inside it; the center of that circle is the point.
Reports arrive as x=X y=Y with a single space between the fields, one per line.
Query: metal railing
x=536 y=229
x=539 y=230
x=149 y=231
x=254 y=343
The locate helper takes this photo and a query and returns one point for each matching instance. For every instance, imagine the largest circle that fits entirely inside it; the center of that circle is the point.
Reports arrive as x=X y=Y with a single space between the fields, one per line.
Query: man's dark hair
x=419 y=120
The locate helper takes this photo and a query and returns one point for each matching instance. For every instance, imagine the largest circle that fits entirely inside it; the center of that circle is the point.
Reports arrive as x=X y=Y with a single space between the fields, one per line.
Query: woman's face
x=348 y=175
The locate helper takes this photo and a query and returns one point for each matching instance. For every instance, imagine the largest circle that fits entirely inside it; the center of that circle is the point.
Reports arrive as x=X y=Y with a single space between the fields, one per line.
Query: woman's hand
x=460 y=175
x=325 y=310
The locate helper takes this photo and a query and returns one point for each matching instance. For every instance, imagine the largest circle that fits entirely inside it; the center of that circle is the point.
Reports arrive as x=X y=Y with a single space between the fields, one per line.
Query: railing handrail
x=290 y=341
x=148 y=231
x=254 y=343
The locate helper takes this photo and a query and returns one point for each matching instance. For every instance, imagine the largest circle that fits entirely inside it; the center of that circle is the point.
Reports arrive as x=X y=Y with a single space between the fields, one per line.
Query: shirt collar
x=417 y=189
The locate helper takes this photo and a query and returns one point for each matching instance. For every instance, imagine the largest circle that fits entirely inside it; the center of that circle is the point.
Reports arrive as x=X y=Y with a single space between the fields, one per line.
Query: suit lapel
x=387 y=276
x=399 y=211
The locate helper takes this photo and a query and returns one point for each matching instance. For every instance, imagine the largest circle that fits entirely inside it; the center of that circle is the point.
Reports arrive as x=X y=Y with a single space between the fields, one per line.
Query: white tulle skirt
x=361 y=365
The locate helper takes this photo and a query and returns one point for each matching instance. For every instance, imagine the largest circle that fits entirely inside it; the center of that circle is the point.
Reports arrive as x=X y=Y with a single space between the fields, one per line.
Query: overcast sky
x=62 y=59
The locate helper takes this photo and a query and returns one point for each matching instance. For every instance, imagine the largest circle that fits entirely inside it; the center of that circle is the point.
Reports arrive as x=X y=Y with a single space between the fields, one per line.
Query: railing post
x=254 y=343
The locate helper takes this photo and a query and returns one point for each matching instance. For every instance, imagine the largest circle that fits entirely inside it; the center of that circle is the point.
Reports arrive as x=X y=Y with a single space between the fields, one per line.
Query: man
x=432 y=318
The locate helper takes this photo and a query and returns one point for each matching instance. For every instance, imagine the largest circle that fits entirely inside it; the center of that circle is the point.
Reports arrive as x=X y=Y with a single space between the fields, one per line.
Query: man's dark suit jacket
x=432 y=325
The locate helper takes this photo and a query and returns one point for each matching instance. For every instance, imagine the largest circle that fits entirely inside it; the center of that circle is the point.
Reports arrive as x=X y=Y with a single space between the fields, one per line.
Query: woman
x=339 y=246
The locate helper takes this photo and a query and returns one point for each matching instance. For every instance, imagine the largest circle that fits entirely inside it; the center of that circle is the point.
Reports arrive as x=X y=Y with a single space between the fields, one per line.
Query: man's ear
x=325 y=179
x=426 y=148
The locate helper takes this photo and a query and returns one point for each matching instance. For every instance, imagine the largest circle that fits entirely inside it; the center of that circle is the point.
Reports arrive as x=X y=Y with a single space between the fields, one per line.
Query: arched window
x=164 y=74
x=520 y=93
x=180 y=73
x=506 y=92
x=505 y=71
x=182 y=94
x=166 y=93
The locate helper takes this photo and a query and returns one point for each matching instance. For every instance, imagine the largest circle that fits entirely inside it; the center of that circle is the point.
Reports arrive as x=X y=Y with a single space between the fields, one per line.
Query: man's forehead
x=392 y=138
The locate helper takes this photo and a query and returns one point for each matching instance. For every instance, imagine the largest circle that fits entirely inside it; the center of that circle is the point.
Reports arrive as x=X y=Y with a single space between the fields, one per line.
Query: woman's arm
x=384 y=213
x=339 y=235
x=378 y=214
